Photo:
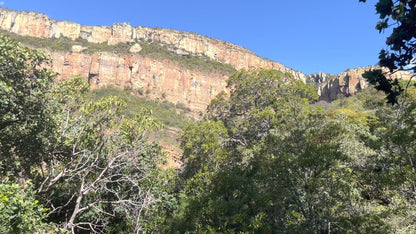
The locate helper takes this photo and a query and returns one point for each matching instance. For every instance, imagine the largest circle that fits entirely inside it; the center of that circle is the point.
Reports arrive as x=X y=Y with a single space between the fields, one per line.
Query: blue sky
x=309 y=36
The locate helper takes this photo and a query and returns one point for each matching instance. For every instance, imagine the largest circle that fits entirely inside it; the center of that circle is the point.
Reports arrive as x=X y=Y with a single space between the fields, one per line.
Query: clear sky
x=306 y=35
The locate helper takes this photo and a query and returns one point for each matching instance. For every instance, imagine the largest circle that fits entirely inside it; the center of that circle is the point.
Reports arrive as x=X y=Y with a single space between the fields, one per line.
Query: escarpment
x=347 y=83
x=160 y=64
x=39 y=25
x=158 y=80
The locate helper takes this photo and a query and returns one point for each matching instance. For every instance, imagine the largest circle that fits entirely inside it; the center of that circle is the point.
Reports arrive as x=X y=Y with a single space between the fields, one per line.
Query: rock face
x=347 y=83
x=39 y=25
x=159 y=80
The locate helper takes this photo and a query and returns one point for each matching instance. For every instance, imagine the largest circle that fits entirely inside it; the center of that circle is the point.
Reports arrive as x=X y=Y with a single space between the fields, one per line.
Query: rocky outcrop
x=159 y=79
x=347 y=83
x=154 y=79
x=39 y=25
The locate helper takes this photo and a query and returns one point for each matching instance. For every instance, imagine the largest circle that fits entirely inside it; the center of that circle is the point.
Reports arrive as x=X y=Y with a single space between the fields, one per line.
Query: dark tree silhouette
x=400 y=55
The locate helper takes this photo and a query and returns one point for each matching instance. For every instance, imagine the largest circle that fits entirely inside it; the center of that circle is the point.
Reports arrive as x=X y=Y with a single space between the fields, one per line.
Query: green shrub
x=20 y=212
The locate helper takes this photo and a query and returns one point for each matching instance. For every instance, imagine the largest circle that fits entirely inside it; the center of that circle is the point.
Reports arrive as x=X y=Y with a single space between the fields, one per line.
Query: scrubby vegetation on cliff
x=169 y=114
x=193 y=62
x=153 y=50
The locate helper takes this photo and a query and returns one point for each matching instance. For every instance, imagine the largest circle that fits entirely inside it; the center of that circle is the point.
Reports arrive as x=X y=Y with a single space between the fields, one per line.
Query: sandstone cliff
x=347 y=83
x=39 y=25
x=159 y=79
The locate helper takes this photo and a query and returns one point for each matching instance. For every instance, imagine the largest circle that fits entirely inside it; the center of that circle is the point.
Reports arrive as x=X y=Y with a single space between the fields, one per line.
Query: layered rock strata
x=39 y=25
x=160 y=79
x=154 y=79
x=348 y=83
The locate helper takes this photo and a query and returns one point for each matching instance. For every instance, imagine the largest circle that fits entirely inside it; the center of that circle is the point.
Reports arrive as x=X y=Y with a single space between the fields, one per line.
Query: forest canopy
x=266 y=157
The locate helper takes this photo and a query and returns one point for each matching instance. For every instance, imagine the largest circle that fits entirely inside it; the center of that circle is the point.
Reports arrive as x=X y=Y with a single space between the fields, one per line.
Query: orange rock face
x=39 y=25
x=349 y=82
x=157 y=80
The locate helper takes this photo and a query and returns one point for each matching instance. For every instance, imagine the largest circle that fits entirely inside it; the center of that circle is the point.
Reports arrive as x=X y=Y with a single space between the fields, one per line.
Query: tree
x=25 y=119
x=392 y=169
x=400 y=55
x=20 y=212
x=390 y=172
x=103 y=171
x=264 y=160
x=93 y=169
